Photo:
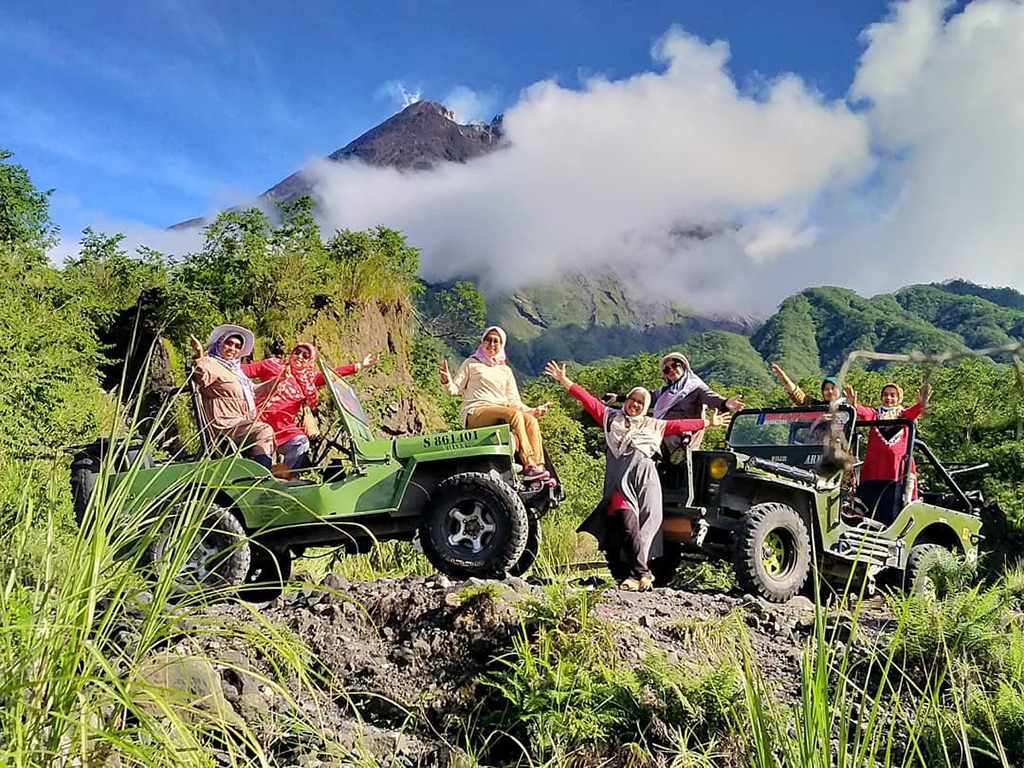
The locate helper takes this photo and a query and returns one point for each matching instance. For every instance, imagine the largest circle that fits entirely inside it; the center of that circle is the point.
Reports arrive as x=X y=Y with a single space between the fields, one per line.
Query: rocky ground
x=404 y=654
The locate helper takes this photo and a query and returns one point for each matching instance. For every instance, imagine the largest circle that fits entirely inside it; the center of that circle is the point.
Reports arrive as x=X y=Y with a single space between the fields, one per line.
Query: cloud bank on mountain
x=730 y=195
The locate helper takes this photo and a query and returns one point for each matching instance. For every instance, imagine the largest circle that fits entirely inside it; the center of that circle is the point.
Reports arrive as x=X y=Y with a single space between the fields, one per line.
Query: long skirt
x=632 y=534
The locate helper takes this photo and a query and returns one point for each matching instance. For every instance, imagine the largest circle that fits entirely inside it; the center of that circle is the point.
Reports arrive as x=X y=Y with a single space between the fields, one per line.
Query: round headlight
x=718 y=469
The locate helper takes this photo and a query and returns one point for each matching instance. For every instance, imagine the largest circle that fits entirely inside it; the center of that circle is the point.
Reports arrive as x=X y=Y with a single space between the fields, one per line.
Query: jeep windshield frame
x=350 y=411
x=785 y=427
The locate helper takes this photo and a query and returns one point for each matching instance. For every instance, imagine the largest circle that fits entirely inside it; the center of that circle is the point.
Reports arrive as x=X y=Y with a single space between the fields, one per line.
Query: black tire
x=666 y=567
x=916 y=577
x=83 y=483
x=219 y=558
x=532 y=549
x=772 y=555
x=269 y=571
x=454 y=532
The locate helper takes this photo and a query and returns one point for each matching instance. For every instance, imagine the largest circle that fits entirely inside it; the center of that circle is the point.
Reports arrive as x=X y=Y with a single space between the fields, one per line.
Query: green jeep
x=774 y=501
x=457 y=492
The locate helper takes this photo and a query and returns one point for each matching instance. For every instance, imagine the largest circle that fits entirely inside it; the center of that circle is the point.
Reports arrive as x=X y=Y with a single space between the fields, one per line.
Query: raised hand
x=446 y=375
x=924 y=395
x=850 y=394
x=714 y=418
x=197 y=348
x=734 y=403
x=540 y=410
x=557 y=372
x=369 y=361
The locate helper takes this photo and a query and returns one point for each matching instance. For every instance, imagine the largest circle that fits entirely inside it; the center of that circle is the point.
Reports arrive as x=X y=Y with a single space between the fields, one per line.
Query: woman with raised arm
x=286 y=385
x=887 y=447
x=228 y=395
x=632 y=490
x=491 y=396
x=829 y=390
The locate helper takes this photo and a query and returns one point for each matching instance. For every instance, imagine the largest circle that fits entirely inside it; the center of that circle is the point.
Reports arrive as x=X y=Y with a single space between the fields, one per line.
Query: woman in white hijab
x=632 y=490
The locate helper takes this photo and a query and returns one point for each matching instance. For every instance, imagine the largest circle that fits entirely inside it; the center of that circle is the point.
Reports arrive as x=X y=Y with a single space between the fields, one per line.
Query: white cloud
x=470 y=105
x=611 y=171
x=397 y=92
x=946 y=108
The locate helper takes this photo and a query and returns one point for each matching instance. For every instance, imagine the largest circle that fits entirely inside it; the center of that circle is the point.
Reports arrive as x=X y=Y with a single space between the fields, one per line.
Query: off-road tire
x=480 y=498
x=920 y=559
x=532 y=549
x=230 y=556
x=761 y=569
x=83 y=483
x=269 y=571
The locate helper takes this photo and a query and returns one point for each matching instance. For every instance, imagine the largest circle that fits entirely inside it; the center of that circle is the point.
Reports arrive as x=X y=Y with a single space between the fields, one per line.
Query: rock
x=184 y=682
x=421 y=645
x=800 y=603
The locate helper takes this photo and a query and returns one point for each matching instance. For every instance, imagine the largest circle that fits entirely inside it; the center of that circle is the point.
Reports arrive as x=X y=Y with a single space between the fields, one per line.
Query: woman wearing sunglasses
x=684 y=396
x=287 y=385
x=228 y=395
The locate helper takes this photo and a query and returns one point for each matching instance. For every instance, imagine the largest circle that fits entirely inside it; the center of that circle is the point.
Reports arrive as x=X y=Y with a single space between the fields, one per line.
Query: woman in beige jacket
x=229 y=399
x=491 y=396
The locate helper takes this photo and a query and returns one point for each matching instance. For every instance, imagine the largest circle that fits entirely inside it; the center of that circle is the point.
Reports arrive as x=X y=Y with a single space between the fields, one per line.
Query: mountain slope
x=587 y=317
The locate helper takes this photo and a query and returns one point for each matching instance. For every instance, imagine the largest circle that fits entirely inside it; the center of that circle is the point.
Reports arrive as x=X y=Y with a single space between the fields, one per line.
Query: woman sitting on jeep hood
x=632 y=490
x=285 y=386
x=887 y=446
x=491 y=396
x=229 y=398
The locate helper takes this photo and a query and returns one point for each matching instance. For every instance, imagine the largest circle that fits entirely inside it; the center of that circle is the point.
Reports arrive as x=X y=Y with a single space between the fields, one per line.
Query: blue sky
x=159 y=111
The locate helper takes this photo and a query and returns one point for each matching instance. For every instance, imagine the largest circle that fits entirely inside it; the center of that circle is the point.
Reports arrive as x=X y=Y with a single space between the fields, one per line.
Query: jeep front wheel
x=475 y=525
x=917 y=578
x=773 y=552
x=532 y=549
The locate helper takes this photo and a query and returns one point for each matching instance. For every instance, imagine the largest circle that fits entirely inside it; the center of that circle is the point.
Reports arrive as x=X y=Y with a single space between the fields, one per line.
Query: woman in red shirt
x=287 y=385
x=887 y=447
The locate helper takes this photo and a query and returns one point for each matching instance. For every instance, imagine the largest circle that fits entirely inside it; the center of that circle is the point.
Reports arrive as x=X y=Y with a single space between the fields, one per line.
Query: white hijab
x=623 y=434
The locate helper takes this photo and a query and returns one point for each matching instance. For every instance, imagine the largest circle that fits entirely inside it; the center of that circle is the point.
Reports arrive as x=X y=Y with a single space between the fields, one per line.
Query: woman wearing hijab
x=632 y=490
x=684 y=396
x=286 y=385
x=830 y=390
x=887 y=446
x=228 y=395
x=491 y=396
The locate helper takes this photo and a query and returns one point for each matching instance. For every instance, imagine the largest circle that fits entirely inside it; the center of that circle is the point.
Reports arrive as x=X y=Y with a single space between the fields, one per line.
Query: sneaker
x=535 y=472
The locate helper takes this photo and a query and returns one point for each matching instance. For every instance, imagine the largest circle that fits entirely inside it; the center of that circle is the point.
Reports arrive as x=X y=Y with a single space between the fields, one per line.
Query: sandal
x=643 y=584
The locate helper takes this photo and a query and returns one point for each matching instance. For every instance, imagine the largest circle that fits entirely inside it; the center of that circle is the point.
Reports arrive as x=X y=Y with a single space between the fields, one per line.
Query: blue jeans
x=295 y=451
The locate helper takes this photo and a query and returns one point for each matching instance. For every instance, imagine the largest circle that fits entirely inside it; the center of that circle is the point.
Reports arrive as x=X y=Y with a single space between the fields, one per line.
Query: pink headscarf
x=483 y=357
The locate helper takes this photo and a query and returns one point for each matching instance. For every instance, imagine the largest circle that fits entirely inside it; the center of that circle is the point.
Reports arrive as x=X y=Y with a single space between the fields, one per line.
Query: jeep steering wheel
x=326 y=443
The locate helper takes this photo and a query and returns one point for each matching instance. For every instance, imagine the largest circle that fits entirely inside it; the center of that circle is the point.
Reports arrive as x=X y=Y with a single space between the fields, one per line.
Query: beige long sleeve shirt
x=482 y=384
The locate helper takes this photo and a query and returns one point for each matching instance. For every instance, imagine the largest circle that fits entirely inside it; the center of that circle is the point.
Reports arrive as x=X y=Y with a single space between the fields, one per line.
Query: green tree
x=453 y=312
x=376 y=264
x=25 y=222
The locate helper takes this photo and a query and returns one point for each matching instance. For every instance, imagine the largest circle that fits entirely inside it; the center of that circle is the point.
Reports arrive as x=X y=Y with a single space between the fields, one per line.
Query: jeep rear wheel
x=917 y=577
x=773 y=552
x=269 y=571
x=217 y=557
x=475 y=525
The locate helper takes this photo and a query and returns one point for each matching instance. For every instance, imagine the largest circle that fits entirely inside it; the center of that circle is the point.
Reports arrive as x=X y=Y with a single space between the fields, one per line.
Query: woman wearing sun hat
x=229 y=398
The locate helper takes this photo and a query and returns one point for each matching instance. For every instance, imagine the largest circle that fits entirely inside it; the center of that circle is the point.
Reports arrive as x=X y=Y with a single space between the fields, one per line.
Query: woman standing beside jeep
x=632 y=490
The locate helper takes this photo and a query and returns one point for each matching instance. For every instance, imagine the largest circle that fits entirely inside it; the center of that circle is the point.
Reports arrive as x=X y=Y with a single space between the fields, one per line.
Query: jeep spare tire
x=475 y=524
x=773 y=552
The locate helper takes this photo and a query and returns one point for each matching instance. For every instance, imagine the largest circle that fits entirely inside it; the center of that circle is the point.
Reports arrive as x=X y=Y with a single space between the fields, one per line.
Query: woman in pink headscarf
x=286 y=386
x=491 y=396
